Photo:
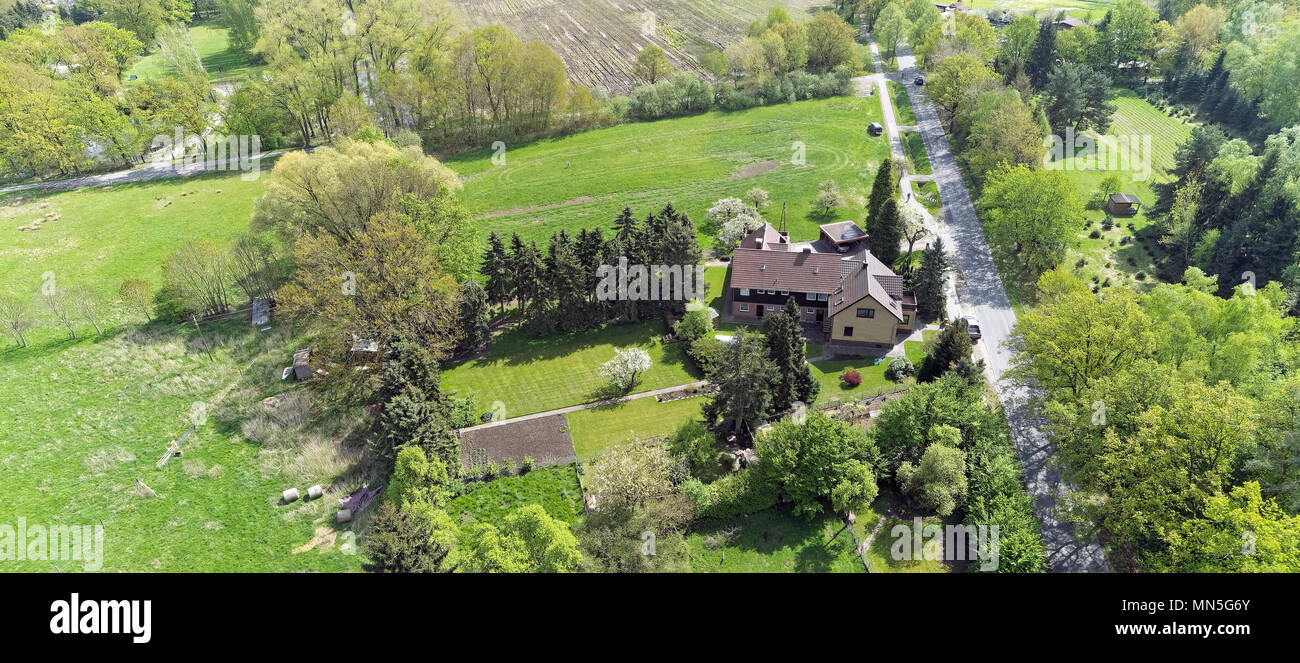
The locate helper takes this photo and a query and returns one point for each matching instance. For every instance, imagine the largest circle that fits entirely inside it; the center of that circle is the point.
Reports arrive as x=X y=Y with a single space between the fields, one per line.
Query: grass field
x=598 y=429
x=83 y=420
x=914 y=147
x=108 y=234
x=555 y=488
x=1105 y=258
x=210 y=42
x=529 y=374
x=599 y=40
x=774 y=541
x=1092 y=10
x=902 y=103
x=584 y=180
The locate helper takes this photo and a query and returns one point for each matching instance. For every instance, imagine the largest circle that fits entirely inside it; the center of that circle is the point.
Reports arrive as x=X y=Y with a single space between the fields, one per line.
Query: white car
x=972 y=327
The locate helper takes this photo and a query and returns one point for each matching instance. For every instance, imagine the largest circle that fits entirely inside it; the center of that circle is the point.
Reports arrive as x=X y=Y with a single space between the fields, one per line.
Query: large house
x=840 y=287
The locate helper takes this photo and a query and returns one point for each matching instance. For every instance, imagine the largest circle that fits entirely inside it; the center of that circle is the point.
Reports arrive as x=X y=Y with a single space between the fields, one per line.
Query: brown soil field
x=599 y=39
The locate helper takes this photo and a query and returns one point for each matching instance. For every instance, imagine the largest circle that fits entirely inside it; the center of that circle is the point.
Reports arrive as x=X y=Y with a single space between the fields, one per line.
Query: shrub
x=735 y=494
x=528 y=465
x=851 y=378
x=696 y=447
x=693 y=326
x=1095 y=234
x=899 y=369
x=704 y=352
x=1141 y=276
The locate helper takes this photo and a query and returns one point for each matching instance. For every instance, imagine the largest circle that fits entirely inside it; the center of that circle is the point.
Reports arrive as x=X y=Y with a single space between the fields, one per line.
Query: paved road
x=980 y=292
x=586 y=406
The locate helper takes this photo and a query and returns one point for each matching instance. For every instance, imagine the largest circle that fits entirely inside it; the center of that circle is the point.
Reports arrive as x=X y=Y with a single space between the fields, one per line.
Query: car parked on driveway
x=919 y=80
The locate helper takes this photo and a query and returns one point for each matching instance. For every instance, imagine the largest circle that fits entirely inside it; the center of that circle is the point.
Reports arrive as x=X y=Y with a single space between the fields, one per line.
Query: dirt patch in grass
x=544 y=439
x=537 y=208
x=755 y=169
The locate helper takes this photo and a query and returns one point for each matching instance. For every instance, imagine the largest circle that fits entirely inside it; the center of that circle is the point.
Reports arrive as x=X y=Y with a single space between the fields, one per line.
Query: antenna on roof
x=782 y=228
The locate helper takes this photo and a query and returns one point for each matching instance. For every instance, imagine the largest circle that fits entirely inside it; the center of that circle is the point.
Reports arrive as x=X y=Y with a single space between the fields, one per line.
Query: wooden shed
x=1124 y=204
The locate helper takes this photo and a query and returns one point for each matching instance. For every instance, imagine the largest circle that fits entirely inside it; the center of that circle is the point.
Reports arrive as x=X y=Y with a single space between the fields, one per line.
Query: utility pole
x=206 y=347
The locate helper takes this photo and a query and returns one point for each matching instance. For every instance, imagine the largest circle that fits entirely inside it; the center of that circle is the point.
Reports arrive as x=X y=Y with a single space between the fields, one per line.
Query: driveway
x=980 y=292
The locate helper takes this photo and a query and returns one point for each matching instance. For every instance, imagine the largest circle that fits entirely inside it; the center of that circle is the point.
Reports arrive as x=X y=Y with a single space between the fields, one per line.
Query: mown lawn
x=1083 y=9
x=529 y=374
x=213 y=46
x=774 y=541
x=555 y=488
x=827 y=373
x=584 y=180
x=598 y=429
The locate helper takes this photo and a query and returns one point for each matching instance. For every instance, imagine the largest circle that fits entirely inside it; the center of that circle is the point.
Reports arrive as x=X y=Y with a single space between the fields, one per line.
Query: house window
x=744 y=308
x=744 y=291
x=823 y=297
x=785 y=292
x=811 y=311
x=812 y=296
x=866 y=313
x=848 y=331
x=907 y=318
x=769 y=307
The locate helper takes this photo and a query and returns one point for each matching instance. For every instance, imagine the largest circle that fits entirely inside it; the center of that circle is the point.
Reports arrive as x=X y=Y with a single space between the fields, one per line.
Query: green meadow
x=584 y=180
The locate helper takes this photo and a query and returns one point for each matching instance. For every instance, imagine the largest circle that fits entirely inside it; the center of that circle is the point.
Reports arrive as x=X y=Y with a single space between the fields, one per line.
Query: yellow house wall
x=880 y=329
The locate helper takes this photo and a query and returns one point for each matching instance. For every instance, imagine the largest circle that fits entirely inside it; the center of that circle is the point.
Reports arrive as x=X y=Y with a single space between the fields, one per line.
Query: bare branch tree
x=17 y=316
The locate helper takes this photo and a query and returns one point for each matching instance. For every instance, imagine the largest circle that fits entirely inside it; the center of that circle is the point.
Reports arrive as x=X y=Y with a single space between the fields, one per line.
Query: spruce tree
x=888 y=234
x=496 y=267
x=951 y=352
x=475 y=318
x=1043 y=55
x=743 y=374
x=930 y=278
x=881 y=190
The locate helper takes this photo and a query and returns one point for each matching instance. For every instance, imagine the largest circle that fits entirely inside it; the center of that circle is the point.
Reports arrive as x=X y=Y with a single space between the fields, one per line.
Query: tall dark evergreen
x=530 y=276
x=951 y=353
x=1043 y=55
x=882 y=189
x=886 y=240
x=415 y=411
x=566 y=284
x=475 y=316
x=496 y=267
x=785 y=345
x=931 y=300
x=743 y=374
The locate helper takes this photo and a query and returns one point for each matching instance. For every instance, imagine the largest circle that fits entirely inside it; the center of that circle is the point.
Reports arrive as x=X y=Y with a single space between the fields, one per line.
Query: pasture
x=106 y=234
x=585 y=180
x=84 y=420
x=599 y=40
x=213 y=48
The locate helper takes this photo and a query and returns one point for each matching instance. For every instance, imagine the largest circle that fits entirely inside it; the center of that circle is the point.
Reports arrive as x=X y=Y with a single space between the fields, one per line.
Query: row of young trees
x=560 y=289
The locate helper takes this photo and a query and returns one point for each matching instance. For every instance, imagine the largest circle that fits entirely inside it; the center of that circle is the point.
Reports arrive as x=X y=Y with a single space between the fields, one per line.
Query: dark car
x=973 y=327
x=919 y=80
x=875 y=129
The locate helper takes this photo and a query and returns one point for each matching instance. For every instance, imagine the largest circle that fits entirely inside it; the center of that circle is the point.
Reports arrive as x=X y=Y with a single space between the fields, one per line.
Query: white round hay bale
x=290 y=495
x=314 y=493
x=344 y=515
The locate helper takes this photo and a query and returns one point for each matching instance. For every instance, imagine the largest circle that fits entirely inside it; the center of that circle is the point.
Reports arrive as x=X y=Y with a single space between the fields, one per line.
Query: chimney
x=758 y=242
x=762 y=268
